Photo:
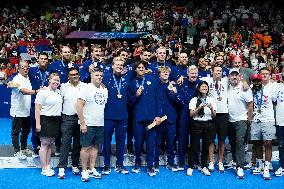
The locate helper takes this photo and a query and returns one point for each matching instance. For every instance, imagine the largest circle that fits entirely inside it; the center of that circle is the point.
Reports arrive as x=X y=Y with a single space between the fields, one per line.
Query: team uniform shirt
x=38 y=78
x=219 y=93
x=237 y=103
x=61 y=67
x=95 y=101
x=207 y=112
x=116 y=102
x=171 y=101
x=263 y=100
x=154 y=67
x=202 y=73
x=150 y=103
x=20 y=103
x=70 y=95
x=280 y=105
x=85 y=75
x=50 y=101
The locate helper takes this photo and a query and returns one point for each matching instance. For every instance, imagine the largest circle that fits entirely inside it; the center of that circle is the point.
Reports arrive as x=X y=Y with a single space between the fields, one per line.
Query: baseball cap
x=234 y=70
x=256 y=76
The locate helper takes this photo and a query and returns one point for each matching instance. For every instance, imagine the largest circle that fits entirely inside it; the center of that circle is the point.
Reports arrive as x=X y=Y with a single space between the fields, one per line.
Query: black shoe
x=172 y=167
x=151 y=172
x=106 y=170
x=121 y=169
x=136 y=169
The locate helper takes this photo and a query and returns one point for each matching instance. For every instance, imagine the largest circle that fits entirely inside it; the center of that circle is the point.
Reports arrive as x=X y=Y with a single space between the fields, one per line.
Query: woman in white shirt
x=202 y=110
x=48 y=107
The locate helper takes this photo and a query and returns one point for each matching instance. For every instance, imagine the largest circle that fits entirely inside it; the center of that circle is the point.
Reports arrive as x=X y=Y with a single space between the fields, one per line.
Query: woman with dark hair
x=202 y=110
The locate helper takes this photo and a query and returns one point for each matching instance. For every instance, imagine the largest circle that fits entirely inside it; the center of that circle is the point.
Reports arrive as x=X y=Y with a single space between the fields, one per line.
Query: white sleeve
x=192 y=104
x=16 y=80
x=40 y=97
x=83 y=94
x=247 y=96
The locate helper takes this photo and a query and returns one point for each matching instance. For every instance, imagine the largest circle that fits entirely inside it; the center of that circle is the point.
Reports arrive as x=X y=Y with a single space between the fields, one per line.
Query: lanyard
x=117 y=85
x=142 y=84
x=42 y=78
x=203 y=100
x=217 y=88
x=259 y=99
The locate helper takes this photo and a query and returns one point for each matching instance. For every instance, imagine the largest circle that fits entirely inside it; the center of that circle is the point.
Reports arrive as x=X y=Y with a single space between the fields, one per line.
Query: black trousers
x=199 y=130
x=20 y=125
x=69 y=129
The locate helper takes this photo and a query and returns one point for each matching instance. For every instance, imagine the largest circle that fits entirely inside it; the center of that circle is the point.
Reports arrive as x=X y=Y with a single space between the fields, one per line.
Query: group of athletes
x=152 y=102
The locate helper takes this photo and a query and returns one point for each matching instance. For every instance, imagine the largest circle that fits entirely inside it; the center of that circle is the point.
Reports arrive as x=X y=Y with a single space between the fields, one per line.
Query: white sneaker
x=279 y=172
x=250 y=165
x=94 y=173
x=211 y=167
x=230 y=165
x=221 y=167
x=75 y=170
x=20 y=155
x=240 y=173
x=256 y=171
x=61 y=173
x=85 y=176
x=266 y=174
x=189 y=172
x=48 y=172
x=205 y=171
x=27 y=151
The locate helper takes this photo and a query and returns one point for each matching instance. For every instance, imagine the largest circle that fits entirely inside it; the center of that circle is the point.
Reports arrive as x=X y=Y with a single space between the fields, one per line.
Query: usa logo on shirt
x=100 y=98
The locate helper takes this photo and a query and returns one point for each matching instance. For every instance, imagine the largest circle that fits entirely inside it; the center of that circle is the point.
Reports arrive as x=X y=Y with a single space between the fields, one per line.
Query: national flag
x=29 y=49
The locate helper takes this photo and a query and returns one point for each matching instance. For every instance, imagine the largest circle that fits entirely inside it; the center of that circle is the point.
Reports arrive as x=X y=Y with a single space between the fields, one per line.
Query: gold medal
x=119 y=96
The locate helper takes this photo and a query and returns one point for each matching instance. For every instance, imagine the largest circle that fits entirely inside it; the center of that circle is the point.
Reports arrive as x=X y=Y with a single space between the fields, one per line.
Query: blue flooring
x=31 y=178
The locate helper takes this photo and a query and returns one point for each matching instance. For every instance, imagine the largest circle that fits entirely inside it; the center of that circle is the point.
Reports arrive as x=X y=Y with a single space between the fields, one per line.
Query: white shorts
x=263 y=131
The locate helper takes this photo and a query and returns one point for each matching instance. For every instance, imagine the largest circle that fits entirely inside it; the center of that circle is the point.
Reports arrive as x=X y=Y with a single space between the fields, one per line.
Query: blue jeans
x=280 y=139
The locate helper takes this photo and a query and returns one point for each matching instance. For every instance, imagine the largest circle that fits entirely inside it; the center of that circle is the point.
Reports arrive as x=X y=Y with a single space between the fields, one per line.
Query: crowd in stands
x=253 y=31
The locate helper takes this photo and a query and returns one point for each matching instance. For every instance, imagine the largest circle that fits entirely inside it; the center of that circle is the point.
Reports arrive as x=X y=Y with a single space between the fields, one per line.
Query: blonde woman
x=48 y=107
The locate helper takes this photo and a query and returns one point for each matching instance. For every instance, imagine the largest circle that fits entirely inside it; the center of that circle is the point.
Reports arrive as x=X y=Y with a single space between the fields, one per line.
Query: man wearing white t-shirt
x=20 y=109
x=262 y=128
x=90 y=110
x=218 y=88
x=240 y=108
x=69 y=126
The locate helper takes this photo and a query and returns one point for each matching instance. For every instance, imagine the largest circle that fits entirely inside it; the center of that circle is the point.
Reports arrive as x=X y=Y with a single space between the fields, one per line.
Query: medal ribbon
x=217 y=89
x=42 y=78
x=117 y=85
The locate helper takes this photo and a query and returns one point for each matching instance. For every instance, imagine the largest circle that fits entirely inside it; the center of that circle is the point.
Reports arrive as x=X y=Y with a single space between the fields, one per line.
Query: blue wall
x=5 y=101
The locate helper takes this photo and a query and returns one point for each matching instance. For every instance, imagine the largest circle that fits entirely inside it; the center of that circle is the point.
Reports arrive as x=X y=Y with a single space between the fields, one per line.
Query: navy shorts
x=93 y=136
